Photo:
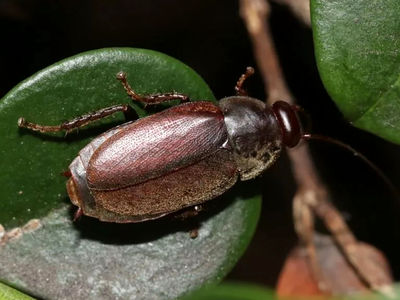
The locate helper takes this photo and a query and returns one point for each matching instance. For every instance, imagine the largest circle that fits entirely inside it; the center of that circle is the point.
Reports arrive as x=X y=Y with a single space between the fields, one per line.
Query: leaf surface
x=357 y=46
x=90 y=259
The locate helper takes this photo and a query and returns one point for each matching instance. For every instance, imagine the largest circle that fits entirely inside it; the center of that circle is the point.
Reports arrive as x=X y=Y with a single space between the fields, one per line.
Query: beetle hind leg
x=78 y=121
x=152 y=98
x=190 y=213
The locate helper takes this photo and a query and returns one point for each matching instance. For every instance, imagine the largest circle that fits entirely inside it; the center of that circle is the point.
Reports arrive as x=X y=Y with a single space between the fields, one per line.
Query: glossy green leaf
x=90 y=259
x=246 y=291
x=391 y=293
x=357 y=45
x=232 y=291
x=8 y=293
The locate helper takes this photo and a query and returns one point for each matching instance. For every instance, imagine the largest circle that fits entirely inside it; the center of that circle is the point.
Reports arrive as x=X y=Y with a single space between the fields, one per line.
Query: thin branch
x=255 y=14
x=311 y=193
x=304 y=226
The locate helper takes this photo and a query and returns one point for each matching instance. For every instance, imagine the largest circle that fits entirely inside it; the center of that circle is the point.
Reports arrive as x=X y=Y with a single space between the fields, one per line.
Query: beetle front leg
x=239 y=84
x=79 y=121
x=149 y=99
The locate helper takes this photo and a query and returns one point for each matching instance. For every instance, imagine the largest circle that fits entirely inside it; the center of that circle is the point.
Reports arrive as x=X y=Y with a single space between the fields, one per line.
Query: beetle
x=175 y=159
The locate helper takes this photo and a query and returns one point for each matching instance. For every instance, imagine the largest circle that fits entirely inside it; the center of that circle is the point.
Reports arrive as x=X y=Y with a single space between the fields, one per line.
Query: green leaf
x=8 y=293
x=232 y=291
x=393 y=294
x=245 y=291
x=357 y=45
x=89 y=258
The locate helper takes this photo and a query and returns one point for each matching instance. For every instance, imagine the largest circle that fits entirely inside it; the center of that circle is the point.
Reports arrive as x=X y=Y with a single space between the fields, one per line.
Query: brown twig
x=311 y=197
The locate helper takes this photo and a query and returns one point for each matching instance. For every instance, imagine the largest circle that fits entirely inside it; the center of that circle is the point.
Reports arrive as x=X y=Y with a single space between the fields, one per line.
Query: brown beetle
x=177 y=158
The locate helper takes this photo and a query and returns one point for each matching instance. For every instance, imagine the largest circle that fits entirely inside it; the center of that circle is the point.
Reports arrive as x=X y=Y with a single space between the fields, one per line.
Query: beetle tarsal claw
x=21 y=122
x=121 y=75
x=68 y=131
x=250 y=70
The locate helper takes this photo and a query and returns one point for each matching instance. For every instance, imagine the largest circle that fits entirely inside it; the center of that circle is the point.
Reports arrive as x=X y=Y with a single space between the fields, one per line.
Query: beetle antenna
x=388 y=182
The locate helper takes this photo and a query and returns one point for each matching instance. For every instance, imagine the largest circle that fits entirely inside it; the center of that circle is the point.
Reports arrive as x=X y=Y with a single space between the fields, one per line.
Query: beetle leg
x=194 y=233
x=67 y=173
x=188 y=215
x=79 y=121
x=189 y=212
x=150 y=99
x=239 y=84
x=78 y=214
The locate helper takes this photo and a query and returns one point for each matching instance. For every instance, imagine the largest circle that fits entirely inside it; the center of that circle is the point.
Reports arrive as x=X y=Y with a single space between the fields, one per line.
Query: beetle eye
x=288 y=122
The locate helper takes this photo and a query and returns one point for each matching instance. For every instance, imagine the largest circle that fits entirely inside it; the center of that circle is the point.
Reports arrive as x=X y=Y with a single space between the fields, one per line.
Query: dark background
x=209 y=36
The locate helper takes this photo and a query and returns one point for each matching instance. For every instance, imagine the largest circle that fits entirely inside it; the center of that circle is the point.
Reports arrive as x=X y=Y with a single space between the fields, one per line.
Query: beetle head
x=289 y=123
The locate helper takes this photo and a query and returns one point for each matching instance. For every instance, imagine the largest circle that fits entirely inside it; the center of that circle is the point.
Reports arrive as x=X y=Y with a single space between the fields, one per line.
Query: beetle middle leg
x=239 y=84
x=78 y=121
x=152 y=98
x=190 y=213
